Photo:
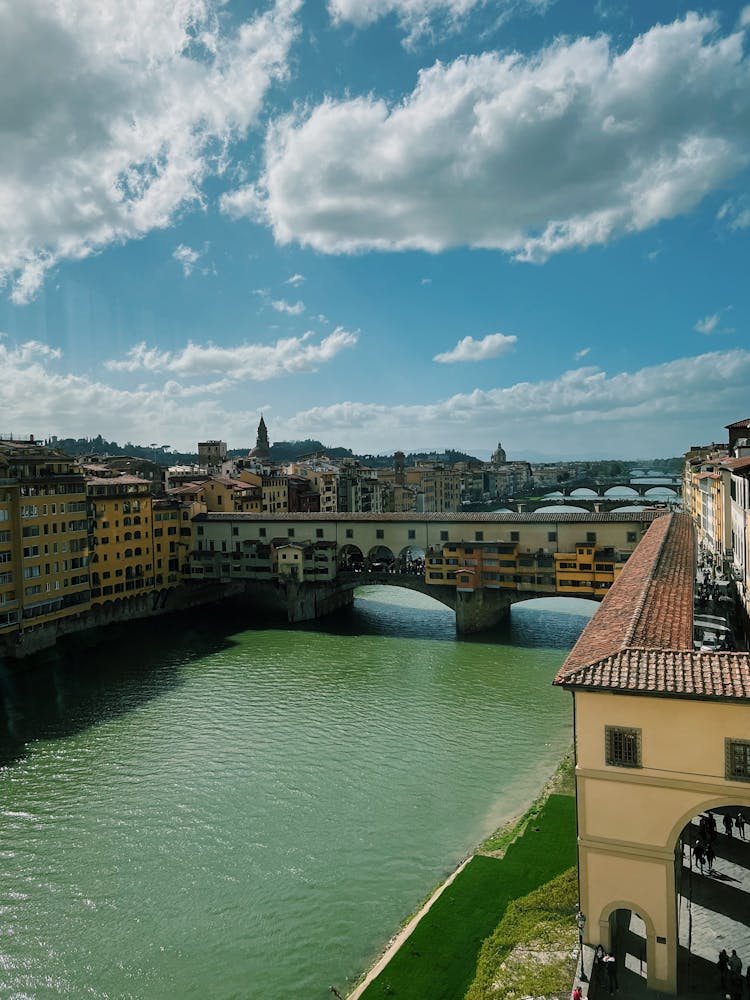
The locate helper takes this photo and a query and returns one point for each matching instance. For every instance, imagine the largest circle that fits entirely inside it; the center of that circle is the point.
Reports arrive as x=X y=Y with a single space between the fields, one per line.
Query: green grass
x=438 y=961
x=532 y=953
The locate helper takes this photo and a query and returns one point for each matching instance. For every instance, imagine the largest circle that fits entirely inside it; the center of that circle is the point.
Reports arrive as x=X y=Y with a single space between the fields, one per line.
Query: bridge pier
x=480 y=609
x=307 y=601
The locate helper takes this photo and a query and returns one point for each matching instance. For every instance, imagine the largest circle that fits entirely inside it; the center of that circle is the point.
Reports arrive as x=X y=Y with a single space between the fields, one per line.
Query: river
x=215 y=807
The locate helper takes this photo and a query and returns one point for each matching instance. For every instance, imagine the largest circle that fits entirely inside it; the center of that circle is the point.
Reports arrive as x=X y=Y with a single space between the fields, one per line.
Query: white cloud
x=708 y=324
x=110 y=127
x=570 y=147
x=256 y=362
x=426 y=281
x=418 y=18
x=735 y=212
x=582 y=353
x=290 y=308
x=468 y=349
x=663 y=407
x=295 y=281
x=649 y=404
x=187 y=257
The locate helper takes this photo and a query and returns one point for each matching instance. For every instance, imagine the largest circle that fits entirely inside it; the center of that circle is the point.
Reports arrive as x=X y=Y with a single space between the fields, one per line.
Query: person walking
x=727 y=821
x=610 y=964
x=710 y=858
x=699 y=853
x=739 y=822
x=723 y=967
x=735 y=963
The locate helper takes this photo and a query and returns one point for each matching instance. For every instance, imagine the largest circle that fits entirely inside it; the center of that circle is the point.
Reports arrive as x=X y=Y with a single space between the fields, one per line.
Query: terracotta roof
x=641 y=639
x=738 y=424
x=681 y=673
x=473 y=517
x=123 y=480
x=735 y=464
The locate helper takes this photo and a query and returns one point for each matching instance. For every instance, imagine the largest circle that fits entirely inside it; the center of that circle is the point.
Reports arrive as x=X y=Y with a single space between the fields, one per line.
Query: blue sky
x=382 y=223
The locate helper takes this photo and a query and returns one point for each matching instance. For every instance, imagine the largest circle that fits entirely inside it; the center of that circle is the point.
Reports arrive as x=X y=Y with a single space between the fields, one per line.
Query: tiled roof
x=681 y=673
x=738 y=424
x=641 y=639
x=736 y=464
x=473 y=517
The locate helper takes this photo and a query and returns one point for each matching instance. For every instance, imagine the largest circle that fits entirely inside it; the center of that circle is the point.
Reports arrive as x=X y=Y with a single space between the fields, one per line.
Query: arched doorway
x=411 y=560
x=350 y=559
x=712 y=878
x=628 y=936
x=380 y=559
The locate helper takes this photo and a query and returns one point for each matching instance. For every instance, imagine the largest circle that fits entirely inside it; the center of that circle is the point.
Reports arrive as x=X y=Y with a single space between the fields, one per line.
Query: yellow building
x=122 y=560
x=661 y=736
x=172 y=539
x=587 y=572
x=44 y=573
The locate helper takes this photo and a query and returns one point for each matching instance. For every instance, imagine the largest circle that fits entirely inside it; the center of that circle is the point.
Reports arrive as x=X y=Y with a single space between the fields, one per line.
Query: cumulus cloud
x=468 y=349
x=735 y=213
x=688 y=389
x=708 y=324
x=43 y=399
x=567 y=148
x=109 y=129
x=188 y=257
x=423 y=17
x=295 y=280
x=290 y=308
x=256 y=362
x=671 y=402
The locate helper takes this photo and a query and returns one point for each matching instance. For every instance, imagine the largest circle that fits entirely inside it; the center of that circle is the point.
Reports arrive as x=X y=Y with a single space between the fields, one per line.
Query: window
x=443 y=536
x=515 y=536
x=632 y=536
x=235 y=531
x=379 y=533
x=261 y=533
x=551 y=536
x=350 y=532
x=290 y=532
x=412 y=533
x=623 y=746
x=737 y=754
x=478 y=536
x=591 y=537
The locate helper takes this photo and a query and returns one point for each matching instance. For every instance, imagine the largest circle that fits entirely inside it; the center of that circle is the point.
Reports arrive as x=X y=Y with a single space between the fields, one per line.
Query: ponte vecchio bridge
x=479 y=564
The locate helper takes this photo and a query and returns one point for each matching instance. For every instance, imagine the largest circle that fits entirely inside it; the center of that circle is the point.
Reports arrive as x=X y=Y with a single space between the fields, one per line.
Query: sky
x=384 y=224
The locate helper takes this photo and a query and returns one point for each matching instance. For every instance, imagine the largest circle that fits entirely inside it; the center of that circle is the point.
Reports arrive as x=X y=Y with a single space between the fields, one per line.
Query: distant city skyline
x=416 y=224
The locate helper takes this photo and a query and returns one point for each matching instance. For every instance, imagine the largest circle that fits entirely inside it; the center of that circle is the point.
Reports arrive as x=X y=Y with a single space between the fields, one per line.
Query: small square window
x=515 y=536
x=318 y=532
x=551 y=536
x=478 y=536
x=443 y=536
x=290 y=532
x=622 y=746
x=235 y=531
x=737 y=753
x=379 y=533
x=591 y=537
x=412 y=533
x=350 y=532
x=632 y=537
x=261 y=532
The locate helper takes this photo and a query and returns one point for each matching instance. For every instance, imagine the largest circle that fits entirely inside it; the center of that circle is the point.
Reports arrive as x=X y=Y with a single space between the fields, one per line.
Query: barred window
x=622 y=746
x=737 y=753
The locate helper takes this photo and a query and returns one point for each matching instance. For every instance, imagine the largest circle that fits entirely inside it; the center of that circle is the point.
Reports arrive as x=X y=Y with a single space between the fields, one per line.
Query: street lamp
x=581 y=923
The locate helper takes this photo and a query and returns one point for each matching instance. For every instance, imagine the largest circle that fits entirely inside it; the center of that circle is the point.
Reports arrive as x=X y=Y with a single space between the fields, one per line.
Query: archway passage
x=713 y=901
x=623 y=967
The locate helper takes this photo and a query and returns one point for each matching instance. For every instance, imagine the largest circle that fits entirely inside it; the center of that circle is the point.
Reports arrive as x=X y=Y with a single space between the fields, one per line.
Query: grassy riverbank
x=438 y=961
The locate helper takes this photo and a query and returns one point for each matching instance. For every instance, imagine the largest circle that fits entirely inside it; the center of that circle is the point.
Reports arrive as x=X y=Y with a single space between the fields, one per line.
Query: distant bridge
x=479 y=564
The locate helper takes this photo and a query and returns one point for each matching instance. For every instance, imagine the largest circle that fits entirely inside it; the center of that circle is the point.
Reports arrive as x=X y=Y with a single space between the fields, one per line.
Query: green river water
x=215 y=807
